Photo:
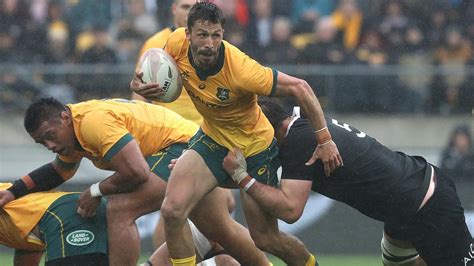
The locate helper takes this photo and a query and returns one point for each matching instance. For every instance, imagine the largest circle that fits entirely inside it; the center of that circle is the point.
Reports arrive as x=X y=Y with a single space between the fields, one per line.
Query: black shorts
x=93 y=259
x=438 y=231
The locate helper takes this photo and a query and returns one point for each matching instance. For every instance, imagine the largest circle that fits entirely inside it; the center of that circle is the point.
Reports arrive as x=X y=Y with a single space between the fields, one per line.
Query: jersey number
x=345 y=126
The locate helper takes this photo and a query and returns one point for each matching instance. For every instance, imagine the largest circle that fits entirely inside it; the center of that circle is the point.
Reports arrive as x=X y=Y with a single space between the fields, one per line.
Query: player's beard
x=204 y=58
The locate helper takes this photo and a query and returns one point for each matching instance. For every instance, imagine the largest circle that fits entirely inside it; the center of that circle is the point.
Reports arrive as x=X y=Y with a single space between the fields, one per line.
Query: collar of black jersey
x=204 y=73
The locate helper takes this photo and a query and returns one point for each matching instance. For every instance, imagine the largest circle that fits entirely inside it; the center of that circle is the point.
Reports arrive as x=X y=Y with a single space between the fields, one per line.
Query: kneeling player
x=423 y=216
x=47 y=221
x=208 y=253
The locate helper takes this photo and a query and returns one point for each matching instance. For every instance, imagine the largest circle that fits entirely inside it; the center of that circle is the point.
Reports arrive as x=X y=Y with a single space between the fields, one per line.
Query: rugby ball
x=159 y=67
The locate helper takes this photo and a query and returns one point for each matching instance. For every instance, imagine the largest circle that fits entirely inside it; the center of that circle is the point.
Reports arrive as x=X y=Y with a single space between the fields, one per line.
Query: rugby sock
x=311 y=261
x=190 y=261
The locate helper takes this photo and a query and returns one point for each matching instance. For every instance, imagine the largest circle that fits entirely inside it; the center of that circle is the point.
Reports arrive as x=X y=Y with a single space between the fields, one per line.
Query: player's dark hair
x=274 y=112
x=205 y=11
x=44 y=109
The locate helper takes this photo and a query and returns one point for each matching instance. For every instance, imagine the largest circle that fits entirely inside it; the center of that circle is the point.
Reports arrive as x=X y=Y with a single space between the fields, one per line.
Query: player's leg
x=159 y=233
x=122 y=211
x=399 y=252
x=212 y=218
x=158 y=237
x=439 y=230
x=190 y=180
x=264 y=230
x=27 y=257
x=262 y=226
x=230 y=199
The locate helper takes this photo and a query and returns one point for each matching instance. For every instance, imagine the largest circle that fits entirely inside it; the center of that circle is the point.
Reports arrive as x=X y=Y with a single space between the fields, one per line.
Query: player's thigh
x=262 y=225
x=397 y=242
x=443 y=237
x=146 y=198
x=211 y=215
x=189 y=181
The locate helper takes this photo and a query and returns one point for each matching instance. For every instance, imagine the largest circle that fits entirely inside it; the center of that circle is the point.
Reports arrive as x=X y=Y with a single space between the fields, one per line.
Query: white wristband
x=249 y=184
x=95 y=190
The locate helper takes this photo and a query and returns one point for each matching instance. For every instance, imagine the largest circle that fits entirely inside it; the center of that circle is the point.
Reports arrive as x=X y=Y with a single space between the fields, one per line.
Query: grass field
x=6 y=259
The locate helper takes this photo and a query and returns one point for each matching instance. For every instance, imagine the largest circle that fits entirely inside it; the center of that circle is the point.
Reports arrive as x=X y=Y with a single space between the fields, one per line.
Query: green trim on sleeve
x=118 y=146
x=275 y=78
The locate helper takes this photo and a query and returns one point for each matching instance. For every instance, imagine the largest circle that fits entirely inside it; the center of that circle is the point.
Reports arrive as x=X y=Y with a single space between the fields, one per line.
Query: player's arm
x=307 y=100
x=131 y=170
x=286 y=203
x=43 y=178
x=26 y=257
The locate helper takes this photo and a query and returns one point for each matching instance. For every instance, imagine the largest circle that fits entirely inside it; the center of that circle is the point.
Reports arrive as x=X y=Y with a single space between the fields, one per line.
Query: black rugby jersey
x=375 y=180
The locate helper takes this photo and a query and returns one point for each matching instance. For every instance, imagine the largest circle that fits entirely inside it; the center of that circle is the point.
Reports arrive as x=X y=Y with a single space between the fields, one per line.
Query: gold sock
x=311 y=261
x=190 y=261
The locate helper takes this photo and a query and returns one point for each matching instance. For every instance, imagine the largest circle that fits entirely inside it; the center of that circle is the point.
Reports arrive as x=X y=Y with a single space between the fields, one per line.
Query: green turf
x=339 y=260
x=324 y=260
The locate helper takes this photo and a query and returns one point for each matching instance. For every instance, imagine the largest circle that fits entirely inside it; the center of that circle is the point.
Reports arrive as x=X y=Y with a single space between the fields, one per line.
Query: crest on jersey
x=223 y=94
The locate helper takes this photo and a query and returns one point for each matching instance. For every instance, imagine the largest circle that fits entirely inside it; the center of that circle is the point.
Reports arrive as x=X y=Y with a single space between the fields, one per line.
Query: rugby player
x=136 y=140
x=223 y=84
x=422 y=214
x=48 y=221
x=183 y=105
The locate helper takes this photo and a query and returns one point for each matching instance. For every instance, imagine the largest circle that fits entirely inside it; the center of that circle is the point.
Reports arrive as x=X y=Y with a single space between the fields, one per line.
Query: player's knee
x=393 y=255
x=227 y=260
x=172 y=213
x=230 y=201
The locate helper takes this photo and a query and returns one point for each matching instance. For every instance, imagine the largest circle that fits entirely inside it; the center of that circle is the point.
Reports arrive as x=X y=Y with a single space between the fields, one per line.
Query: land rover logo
x=80 y=238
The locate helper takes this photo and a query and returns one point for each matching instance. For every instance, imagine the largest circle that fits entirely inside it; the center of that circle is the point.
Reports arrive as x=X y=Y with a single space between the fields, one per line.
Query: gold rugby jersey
x=104 y=127
x=226 y=96
x=20 y=216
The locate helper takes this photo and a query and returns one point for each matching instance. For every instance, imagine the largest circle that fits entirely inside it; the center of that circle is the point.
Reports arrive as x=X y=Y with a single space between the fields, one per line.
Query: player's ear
x=66 y=117
x=188 y=33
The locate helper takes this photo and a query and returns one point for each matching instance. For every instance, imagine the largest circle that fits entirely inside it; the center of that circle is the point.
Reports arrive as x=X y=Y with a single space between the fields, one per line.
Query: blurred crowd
x=373 y=33
x=457 y=158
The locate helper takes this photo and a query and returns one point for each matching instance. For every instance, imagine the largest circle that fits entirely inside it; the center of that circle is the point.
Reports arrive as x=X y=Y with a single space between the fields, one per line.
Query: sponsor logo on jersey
x=185 y=75
x=208 y=104
x=80 y=238
x=223 y=94
x=262 y=170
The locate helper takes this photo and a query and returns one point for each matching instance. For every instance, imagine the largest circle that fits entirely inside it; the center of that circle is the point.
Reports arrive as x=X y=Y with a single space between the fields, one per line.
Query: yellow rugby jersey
x=226 y=96
x=183 y=105
x=20 y=216
x=104 y=127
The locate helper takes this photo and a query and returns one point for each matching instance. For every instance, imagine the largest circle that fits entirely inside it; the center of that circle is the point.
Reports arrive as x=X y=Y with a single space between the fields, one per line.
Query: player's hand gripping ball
x=158 y=67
